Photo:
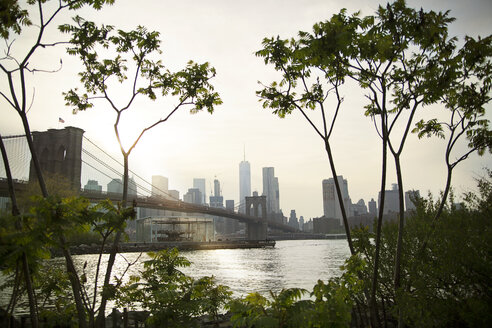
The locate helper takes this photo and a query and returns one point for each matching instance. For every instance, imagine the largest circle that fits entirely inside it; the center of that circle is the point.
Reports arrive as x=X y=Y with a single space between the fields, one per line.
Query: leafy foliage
x=173 y=298
x=448 y=284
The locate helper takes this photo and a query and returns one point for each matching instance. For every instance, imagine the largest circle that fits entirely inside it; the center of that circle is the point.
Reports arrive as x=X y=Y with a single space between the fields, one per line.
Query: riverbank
x=180 y=245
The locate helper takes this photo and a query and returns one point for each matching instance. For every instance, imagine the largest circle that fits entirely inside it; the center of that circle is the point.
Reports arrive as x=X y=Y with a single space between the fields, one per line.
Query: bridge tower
x=59 y=152
x=256 y=206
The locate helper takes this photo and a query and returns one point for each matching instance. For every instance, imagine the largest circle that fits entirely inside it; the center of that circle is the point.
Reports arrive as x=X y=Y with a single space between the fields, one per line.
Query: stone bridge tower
x=256 y=206
x=59 y=153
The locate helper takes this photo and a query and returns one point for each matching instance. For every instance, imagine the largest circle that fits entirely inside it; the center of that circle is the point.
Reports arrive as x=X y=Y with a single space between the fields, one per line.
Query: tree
x=405 y=60
x=14 y=20
x=173 y=298
x=190 y=87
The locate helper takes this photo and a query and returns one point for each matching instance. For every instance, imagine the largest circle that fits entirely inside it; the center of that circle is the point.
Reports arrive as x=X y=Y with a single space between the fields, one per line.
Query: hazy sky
x=227 y=34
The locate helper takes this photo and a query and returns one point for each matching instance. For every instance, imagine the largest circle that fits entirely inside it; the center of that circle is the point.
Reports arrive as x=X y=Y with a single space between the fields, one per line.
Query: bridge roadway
x=163 y=204
x=180 y=206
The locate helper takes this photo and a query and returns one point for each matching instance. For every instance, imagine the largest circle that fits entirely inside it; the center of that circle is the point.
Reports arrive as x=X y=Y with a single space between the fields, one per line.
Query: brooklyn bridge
x=69 y=154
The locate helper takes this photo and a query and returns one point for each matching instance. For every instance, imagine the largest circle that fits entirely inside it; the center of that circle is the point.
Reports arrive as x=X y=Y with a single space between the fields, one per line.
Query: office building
x=331 y=205
x=244 y=184
x=160 y=186
x=193 y=196
x=115 y=186
x=293 y=219
x=199 y=183
x=271 y=190
x=373 y=210
x=132 y=187
x=391 y=200
x=359 y=208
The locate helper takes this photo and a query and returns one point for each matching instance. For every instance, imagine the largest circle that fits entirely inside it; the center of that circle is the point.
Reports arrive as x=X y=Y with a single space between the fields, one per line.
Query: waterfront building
x=331 y=205
x=199 y=183
x=244 y=184
x=326 y=225
x=301 y=223
x=176 y=228
x=93 y=185
x=271 y=190
x=160 y=186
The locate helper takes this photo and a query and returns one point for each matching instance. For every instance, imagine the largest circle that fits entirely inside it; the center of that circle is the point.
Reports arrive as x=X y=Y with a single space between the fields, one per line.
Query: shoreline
x=137 y=247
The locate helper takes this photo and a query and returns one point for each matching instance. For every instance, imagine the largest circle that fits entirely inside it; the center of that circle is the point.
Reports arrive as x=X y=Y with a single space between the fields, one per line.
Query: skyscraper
x=372 y=207
x=217 y=200
x=199 y=183
x=244 y=184
x=331 y=205
x=271 y=190
x=391 y=200
x=160 y=186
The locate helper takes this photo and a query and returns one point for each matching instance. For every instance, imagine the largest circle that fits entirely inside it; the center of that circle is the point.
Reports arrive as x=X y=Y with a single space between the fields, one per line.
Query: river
x=291 y=263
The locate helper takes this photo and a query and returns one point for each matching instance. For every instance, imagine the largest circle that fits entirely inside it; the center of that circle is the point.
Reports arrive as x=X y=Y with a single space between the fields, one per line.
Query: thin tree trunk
x=15 y=212
x=373 y=303
x=401 y=224
x=340 y=198
x=101 y=317
x=72 y=272
x=34 y=156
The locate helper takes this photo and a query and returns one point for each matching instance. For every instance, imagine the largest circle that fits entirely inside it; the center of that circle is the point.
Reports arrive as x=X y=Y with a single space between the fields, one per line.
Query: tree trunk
x=373 y=303
x=340 y=198
x=34 y=156
x=401 y=226
x=33 y=312
x=101 y=317
x=72 y=273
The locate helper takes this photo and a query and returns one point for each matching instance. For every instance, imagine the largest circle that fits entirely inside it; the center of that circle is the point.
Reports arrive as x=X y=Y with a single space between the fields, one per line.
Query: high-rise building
x=160 y=186
x=217 y=200
x=359 y=208
x=391 y=200
x=271 y=190
x=244 y=184
x=93 y=185
x=293 y=219
x=132 y=187
x=174 y=194
x=115 y=186
x=301 y=223
x=194 y=196
x=331 y=205
x=410 y=197
x=199 y=183
x=372 y=207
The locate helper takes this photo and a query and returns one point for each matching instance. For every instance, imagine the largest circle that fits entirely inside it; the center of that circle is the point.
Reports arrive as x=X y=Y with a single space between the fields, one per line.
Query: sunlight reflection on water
x=293 y=263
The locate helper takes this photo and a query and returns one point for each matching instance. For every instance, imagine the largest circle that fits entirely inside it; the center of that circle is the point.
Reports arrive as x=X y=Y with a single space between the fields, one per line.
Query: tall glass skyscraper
x=199 y=183
x=244 y=184
x=271 y=190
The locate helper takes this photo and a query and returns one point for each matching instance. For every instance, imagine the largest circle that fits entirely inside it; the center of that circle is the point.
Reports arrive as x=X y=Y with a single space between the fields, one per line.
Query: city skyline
x=227 y=34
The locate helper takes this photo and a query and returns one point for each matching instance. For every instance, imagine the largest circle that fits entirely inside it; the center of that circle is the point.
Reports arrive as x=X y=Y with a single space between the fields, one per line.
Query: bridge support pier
x=256 y=206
